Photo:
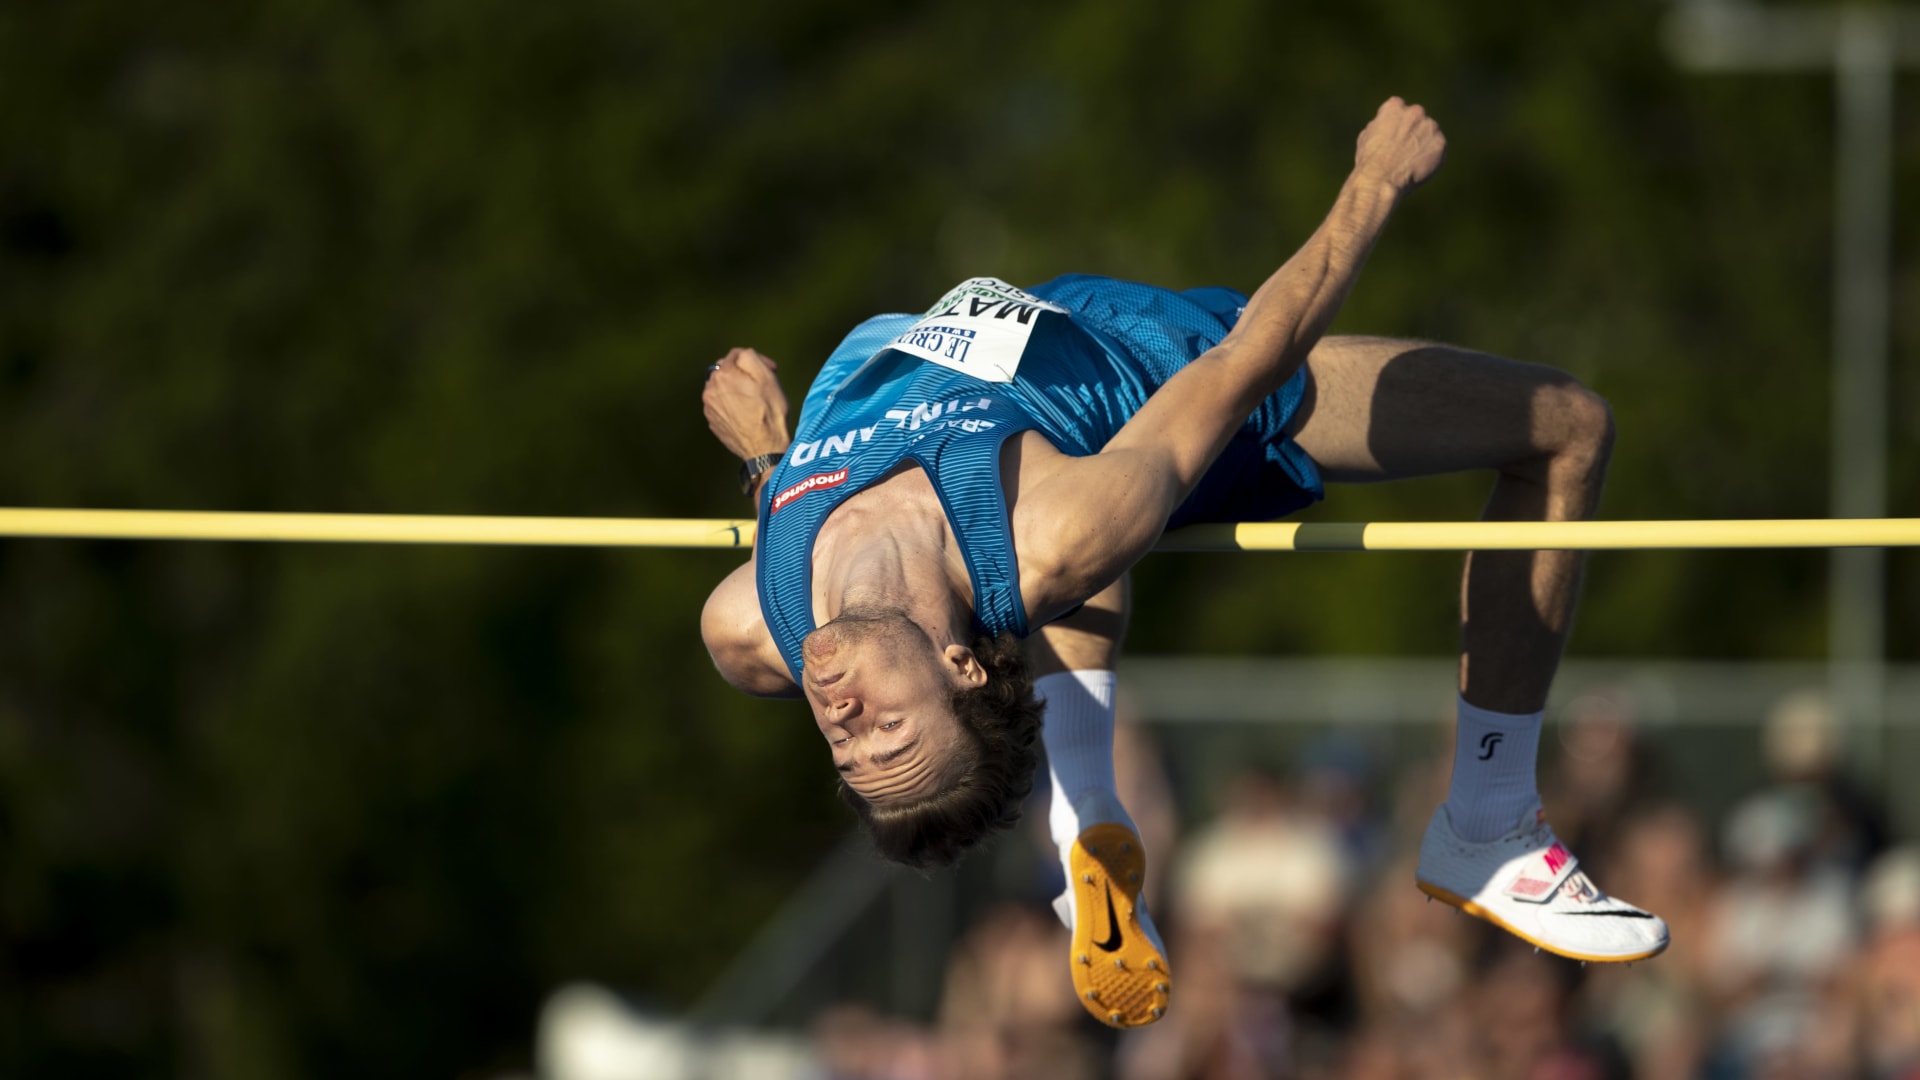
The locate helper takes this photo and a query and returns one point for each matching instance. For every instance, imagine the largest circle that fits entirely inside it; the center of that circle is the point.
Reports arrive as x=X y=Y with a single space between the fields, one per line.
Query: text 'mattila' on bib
x=980 y=328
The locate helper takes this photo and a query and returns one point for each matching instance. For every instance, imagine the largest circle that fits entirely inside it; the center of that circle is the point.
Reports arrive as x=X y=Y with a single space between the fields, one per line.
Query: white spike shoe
x=1528 y=884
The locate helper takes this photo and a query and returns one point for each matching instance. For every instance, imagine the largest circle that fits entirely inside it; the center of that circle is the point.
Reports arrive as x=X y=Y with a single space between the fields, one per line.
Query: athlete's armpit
x=737 y=638
x=1079 y=529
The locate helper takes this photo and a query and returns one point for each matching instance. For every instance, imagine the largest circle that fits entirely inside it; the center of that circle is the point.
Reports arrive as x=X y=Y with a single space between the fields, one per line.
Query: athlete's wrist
x=755 y=469
x=772 y=444
x=1375 y=187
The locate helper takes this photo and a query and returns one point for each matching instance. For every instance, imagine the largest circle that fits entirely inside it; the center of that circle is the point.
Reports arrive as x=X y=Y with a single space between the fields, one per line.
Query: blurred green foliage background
x=276 y=811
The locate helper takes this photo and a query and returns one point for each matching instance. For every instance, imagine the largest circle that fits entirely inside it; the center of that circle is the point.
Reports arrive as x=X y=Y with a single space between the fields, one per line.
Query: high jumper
x=988 y=471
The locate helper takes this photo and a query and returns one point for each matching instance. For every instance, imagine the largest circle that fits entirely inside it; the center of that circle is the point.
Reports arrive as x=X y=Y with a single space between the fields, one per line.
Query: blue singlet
x=1081 y=377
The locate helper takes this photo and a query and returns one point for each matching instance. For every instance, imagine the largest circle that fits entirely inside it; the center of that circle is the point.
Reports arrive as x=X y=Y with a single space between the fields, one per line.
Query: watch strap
x=752 y=469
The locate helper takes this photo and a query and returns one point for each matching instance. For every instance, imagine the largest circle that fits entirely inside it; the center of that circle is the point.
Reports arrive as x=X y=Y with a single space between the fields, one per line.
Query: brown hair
x=993 y=773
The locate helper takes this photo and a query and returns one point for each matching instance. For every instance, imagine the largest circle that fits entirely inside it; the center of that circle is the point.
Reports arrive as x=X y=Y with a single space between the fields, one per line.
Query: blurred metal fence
x=1362 y=690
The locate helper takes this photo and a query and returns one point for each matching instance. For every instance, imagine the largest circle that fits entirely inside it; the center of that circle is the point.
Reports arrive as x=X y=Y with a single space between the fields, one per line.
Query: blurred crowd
x=1301 y=948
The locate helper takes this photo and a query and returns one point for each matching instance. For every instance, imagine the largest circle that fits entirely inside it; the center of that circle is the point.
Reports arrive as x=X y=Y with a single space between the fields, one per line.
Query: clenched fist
x=1402 y=147
x=745 y=407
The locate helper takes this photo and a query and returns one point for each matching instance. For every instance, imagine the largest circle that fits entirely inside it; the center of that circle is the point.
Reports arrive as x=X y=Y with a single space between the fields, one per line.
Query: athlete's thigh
x=1087 y=640
x=1386 y=408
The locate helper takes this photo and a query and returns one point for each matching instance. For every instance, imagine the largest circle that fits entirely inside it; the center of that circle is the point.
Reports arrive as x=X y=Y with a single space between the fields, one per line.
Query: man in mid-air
x=989 y=470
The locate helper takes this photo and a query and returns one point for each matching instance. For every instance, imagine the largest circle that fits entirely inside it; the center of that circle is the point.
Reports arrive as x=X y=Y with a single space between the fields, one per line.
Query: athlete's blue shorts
x=1262 y=474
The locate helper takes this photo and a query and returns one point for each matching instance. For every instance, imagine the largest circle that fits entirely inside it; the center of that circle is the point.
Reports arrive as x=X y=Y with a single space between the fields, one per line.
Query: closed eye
x=885 y=757
x=888 y=756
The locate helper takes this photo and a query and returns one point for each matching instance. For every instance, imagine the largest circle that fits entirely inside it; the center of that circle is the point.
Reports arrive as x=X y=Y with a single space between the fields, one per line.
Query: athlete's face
x=882 y=695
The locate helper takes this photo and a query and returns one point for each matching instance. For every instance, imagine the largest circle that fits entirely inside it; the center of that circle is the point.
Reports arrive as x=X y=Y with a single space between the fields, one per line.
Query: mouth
x=829 y=680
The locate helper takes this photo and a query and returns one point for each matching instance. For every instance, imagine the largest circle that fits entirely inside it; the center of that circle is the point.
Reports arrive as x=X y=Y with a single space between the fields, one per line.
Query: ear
x=964 y=666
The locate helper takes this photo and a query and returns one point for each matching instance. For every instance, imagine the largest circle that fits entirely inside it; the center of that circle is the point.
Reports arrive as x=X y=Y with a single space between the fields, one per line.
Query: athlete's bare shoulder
x=1052 y=579
x=738 y=640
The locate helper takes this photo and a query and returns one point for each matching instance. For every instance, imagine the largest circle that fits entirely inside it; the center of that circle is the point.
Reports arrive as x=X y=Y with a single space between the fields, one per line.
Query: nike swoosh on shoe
x=1123 y=980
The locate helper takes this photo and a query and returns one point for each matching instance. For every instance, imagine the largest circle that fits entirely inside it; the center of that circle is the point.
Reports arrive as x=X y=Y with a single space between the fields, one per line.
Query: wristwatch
x=752 y=469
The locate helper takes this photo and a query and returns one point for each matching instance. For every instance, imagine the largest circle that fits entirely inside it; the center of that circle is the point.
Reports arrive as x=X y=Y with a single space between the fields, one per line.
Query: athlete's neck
x=890 y=547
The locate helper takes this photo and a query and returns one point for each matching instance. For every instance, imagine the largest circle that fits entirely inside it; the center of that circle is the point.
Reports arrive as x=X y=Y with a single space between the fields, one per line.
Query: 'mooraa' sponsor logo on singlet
x=816 y=482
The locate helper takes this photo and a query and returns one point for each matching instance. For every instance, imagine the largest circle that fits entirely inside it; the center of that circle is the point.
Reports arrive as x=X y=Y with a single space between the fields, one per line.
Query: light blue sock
x=1493 y=772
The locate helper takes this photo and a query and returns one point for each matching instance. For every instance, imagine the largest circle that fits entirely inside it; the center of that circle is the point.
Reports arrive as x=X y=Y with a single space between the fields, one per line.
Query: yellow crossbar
x=1545 y=535
x=716 y=533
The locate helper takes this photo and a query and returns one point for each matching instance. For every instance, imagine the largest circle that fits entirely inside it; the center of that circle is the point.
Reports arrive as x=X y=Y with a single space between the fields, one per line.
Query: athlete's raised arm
x=747 y=411
x=1095 y=516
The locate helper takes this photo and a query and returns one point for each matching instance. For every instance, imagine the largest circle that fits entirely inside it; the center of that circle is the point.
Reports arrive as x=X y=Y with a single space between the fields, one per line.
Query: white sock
x=1493 y=772
x=1078 y=733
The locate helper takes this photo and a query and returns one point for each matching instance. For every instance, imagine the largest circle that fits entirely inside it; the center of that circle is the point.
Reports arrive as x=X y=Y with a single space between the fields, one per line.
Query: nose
x=846 y=708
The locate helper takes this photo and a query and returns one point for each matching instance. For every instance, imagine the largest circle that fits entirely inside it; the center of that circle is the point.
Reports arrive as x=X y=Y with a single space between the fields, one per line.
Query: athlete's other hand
x=745 y=406
x=1402 y=147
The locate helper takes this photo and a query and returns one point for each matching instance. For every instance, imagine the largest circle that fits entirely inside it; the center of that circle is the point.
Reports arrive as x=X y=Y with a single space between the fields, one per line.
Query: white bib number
x=980 y=328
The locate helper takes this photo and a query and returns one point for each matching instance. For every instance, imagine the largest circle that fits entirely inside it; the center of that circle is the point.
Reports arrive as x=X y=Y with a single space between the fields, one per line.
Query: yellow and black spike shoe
x=1119 y=966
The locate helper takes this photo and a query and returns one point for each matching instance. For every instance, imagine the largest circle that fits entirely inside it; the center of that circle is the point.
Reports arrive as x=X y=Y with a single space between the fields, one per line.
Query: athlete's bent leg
x=1381 y=409
x=1117 y=961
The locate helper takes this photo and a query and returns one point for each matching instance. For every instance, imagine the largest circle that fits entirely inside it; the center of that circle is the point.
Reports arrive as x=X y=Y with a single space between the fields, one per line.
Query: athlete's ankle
x=1078 y=734
x=1492 y=787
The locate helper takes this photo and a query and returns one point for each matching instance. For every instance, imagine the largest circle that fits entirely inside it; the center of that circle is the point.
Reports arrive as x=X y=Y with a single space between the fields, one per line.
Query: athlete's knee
x=1572 y=440
x=1578 y=424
